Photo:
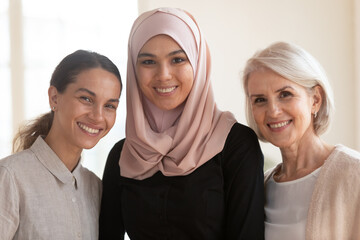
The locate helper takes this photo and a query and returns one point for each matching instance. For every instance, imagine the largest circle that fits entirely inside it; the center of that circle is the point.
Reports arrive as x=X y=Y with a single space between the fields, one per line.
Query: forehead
x=268 y=80
x=160 y=43
x=96 y=80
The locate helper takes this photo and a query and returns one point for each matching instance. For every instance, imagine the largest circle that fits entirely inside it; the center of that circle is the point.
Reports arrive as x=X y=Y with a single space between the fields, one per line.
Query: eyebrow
x=94 y=95
x=279 y=90
x=283 y=88
x=145 y=54
x=86 y=90
x=177 y=52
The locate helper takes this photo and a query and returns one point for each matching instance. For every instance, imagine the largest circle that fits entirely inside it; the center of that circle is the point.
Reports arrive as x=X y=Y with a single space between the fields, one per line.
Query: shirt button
x=79 y=235
x=73 y=199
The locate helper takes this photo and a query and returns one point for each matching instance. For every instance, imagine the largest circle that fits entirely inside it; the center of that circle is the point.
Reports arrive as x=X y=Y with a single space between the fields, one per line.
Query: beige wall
x=235 y=29
x=357 y=68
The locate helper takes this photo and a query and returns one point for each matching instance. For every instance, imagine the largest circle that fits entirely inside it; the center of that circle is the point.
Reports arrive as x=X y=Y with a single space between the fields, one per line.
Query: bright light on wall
x=52 y=30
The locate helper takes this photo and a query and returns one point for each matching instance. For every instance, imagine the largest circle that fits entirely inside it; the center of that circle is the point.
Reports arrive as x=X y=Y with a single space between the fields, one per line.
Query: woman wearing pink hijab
x=186 y=170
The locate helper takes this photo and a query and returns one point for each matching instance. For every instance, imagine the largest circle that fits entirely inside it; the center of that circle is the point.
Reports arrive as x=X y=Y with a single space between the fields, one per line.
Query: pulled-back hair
x=297 y=65
x=65 y=73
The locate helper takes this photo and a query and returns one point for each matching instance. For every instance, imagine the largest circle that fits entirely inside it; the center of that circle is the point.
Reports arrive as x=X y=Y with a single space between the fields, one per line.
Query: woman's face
x=164 y=73
x=86 y=111
x=281 y=108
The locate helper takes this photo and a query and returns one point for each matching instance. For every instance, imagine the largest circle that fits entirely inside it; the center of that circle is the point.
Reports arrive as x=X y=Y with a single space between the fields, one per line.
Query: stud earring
x=53 y=108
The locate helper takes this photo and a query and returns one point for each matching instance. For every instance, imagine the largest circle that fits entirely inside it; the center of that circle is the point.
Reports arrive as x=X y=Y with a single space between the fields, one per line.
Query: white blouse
x=286 y=207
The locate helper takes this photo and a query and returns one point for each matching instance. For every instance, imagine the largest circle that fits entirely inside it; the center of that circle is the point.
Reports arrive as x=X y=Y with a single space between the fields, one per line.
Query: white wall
x=235 y=29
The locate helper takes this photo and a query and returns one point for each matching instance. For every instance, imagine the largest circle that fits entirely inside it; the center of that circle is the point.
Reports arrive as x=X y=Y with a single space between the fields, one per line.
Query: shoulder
x=344 y=157
x=112 y=167
x=347 y=152
x=242 y=150
x=116 y=149
x=343 y=163
x=241 y=136
x=241 y=139
x=15 y=169
x=89 y=175
x=240 y=131
x=19 y=161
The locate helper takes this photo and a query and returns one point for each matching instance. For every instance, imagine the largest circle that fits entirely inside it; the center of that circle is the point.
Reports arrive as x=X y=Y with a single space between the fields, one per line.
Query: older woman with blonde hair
x=314 y=193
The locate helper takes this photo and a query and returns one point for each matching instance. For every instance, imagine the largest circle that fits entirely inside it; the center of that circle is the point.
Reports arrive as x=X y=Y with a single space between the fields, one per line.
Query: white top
x=41 y=199
x=286 y=207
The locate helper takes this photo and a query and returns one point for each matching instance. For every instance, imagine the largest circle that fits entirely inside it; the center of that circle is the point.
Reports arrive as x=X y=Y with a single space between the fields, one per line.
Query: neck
x=161 y=120
x=301 y=159
x=67 y=153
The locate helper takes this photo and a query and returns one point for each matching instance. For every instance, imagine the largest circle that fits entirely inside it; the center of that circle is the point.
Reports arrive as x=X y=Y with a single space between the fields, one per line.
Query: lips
x=88 y=129
x=279 y=124
x=165 y=90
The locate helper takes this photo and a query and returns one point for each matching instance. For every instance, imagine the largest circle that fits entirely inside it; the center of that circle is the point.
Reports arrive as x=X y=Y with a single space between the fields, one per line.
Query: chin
x=89 y=145
x=281 y=144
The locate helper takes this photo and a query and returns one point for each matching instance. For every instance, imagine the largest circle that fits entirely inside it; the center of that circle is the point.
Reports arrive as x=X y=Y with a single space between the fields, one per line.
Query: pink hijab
x=178 y=141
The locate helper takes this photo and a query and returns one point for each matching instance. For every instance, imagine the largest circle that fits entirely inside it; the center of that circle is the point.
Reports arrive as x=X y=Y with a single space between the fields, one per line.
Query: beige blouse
x=41 y=199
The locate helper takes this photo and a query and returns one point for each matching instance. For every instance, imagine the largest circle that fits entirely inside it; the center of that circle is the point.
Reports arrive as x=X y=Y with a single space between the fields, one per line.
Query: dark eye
x=85 y=99
x=285 y=94
x=259 y=100
x=148 y=62
x=178 y=60
x=111 y=106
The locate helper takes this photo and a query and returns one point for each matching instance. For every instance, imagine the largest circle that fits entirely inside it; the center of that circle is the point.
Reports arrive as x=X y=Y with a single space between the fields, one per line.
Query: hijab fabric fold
x=175 y=142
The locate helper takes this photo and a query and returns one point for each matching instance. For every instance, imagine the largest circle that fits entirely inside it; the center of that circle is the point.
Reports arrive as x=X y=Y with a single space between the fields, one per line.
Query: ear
x=317 y=99
x=53 y=97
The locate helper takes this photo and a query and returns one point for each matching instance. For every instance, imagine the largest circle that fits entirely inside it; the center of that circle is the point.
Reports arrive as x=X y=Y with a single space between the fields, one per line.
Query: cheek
x=71 y=109
x=110 y=119
x=258 y=115
x=143 y=81
x=188 y=80
x=303 y=110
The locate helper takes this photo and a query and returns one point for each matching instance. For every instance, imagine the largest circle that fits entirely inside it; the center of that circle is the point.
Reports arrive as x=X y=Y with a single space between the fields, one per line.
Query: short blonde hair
x=297 y=65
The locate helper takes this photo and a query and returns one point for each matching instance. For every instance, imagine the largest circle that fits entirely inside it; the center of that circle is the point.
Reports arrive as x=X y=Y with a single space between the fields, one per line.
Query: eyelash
x=110 y=106
x=89 y=100
x=175 y=60
x=148 y=62
x=283 y=94
x=259 y=100
x=178 y=60
x=86 y=99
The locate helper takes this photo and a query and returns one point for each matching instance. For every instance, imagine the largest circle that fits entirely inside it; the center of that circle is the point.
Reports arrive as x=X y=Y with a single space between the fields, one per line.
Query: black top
x=222 y=199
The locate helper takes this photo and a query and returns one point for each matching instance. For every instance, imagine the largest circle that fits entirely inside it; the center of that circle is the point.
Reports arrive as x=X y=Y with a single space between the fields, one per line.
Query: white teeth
x=165 y=90
x=89 y=130
x=279 y=125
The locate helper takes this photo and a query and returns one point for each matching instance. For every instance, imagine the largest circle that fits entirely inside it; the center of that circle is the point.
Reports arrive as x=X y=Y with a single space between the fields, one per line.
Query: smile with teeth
x=165 y=90
x=279 y=125
x=88 y=129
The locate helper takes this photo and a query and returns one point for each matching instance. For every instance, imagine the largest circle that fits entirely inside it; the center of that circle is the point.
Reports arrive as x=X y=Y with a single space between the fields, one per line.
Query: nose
x=97 y=113
x=274 y=108
x=164 y=72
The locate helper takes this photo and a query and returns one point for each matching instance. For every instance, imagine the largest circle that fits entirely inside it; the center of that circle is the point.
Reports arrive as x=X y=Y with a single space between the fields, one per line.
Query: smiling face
x=86 y=111
x=281 y=108
x=164 y=73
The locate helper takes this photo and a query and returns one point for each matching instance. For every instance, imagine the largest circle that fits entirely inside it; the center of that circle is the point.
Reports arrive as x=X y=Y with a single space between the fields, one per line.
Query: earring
x=315 y=114
x=53 y=108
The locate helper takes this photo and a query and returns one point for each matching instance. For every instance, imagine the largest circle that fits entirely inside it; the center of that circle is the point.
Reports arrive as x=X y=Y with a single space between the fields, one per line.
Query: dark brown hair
x=65 y=73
